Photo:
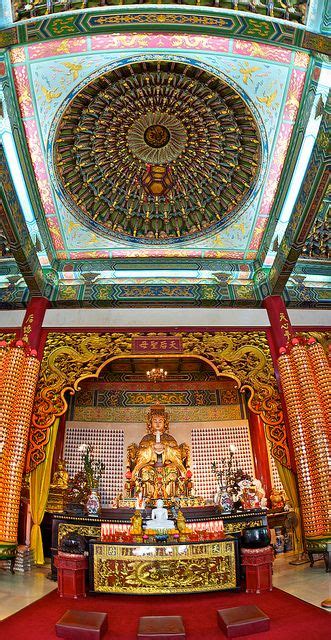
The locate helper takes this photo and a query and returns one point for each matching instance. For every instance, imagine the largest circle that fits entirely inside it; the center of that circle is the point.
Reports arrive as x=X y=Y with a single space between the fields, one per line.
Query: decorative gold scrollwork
x=71 y=357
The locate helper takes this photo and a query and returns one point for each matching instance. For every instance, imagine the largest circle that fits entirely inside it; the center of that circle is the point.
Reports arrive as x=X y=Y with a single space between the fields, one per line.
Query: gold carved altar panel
x=166 y=569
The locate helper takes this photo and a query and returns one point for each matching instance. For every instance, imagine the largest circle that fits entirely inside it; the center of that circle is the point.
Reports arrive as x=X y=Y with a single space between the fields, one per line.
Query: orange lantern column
x=306 y=403
x=19 y=375
x=305 y=380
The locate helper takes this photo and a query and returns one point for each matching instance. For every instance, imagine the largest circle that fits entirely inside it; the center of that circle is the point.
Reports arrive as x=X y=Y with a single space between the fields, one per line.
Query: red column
x=33 y=321
x=260 y=451
x=280 y=333
x=281 y=328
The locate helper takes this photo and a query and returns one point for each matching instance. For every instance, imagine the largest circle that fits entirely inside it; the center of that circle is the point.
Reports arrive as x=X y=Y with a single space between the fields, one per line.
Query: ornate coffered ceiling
x=157 y=151
x=159 y=165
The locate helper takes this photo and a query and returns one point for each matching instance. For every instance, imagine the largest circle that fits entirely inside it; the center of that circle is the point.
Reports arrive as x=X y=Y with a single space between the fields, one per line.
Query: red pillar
x=260 y=451
x=32 y=324
x=280 y=323
x=280 y=333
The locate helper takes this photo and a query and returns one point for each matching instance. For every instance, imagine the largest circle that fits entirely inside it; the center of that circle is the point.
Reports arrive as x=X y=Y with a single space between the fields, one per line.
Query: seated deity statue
x=159 y=519
x=158 y=465
x=181 y=524
x=60 y=478
x=136 y=524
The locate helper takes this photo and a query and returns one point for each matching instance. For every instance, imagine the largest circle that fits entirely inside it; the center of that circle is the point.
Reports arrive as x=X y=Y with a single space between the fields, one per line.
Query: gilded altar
x=164 y=569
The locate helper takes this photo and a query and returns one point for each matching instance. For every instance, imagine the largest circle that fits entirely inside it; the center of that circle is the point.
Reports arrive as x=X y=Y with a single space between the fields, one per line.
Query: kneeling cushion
x=161 y=628
x=241 y=621
x=82 y=625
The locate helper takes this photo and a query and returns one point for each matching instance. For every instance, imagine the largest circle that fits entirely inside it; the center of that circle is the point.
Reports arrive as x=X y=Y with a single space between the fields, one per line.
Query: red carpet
x=291 y=618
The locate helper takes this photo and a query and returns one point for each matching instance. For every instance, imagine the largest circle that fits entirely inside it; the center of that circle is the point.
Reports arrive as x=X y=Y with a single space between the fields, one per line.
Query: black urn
x=255 y=537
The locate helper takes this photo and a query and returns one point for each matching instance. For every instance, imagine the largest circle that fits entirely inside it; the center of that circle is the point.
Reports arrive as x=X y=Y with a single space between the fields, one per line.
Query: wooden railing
x=292 y=10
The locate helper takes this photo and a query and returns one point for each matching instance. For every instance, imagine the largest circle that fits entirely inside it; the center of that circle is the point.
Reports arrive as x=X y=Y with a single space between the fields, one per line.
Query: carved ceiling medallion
x=157 y=151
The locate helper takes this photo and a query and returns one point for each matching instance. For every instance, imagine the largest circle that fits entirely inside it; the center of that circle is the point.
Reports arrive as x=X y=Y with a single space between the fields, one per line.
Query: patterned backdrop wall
x=108 y=446
x=275 y=479
x=213 y=444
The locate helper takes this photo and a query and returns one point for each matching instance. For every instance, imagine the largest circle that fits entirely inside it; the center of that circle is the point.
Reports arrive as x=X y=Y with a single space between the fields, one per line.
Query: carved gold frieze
x=87 y=530
x=164 y=569
x=232 y=527
x=71 y=357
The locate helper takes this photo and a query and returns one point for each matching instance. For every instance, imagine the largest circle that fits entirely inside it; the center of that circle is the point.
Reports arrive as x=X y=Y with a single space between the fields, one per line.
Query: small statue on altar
x=159 y=519
x=136 y=528
x=181 y=524
x=249 y=498
x=140 y=502
x=277 y=500
x=171 y=480
x=147 y=482
x=58 y=489
x=260 y=492
x=60 y=478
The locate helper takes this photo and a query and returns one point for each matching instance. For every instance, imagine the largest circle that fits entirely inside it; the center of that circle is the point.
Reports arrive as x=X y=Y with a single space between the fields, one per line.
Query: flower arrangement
x=93 y=468
x=225 y=472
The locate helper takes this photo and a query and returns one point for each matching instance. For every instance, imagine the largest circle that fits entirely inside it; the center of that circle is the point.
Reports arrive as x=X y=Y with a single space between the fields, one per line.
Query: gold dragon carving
x=119 y=569
x=71 y=357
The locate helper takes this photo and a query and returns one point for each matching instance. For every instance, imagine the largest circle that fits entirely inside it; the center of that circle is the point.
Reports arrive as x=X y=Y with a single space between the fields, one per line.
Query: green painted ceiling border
x=17 y=232
x=230 y=267
x=297 y=136
x=230 y=24
x=310 y=197
x=24 y=155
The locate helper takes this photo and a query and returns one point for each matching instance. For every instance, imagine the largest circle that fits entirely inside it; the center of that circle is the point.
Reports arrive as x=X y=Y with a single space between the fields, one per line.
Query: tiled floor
x=309 y=584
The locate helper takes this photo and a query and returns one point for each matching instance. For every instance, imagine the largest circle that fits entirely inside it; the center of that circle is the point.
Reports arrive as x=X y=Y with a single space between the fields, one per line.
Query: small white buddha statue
x=159 y=519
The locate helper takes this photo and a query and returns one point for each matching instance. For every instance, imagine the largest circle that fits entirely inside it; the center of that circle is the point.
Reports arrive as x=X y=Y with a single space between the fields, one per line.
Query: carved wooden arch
x=71 y=357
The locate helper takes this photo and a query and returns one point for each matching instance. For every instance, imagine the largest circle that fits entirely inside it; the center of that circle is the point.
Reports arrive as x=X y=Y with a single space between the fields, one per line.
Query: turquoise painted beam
x=308 y=202
x=17 y=233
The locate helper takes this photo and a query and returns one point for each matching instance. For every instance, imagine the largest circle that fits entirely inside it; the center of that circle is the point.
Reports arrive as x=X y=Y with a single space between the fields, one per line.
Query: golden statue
x=58 y=488
x=181 y=524
x=60 y=478
x=136 y=528
x=158 y=465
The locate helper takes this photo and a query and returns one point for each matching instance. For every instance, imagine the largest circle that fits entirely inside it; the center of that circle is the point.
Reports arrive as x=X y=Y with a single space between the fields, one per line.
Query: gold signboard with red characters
x=157 y=344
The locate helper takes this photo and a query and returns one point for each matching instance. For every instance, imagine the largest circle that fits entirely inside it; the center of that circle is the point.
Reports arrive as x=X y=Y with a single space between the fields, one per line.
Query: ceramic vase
x=224 y=500
x=279 y=546
x=93 y=504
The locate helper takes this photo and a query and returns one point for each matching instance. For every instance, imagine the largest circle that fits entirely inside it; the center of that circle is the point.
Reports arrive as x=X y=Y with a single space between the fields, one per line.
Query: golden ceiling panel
x=157 y=151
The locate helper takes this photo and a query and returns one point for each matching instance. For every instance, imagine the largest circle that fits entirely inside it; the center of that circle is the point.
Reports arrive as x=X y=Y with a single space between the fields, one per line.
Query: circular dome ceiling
x=157 y=151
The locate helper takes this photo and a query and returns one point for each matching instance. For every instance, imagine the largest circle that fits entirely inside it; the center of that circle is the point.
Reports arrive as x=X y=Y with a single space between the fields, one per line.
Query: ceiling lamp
x=156 y=375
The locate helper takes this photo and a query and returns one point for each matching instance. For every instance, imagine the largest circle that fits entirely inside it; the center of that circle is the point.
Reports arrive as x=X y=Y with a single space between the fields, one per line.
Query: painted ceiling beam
x=19 y=138
x=306 y=208
x=297 y=138
x=17 y=233
x=220 y=22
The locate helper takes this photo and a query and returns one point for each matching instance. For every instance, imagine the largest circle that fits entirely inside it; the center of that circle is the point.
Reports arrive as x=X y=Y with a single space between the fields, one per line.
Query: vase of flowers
x=93 y=470
x=225 y=476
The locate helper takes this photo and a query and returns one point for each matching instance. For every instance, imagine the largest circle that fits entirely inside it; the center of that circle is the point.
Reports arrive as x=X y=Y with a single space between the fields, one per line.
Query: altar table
x=139 y=569
x=198 y=518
